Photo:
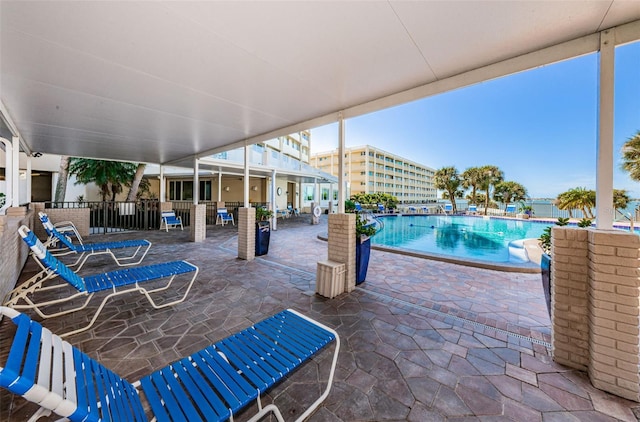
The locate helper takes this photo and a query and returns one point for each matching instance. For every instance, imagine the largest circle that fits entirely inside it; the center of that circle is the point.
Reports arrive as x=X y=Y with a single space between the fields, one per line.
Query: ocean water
x=544 y=208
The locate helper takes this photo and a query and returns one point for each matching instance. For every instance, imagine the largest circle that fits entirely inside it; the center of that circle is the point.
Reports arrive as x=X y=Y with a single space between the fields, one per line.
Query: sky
x=538 y=126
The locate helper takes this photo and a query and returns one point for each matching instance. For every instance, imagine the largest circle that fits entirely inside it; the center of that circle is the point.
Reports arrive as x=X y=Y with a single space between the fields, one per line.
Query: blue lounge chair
x=169 y=219
x=212 y=384
x=412 y=210
x=381 y=208
x=448 y=208
x=66 y=228
x=115 y=282
x=223 y=217
x=510 y=209
x=90 y=249
x=473 y=209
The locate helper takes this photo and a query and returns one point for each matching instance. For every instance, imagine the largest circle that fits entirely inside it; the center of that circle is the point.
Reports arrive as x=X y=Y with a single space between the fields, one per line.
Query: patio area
x=421 y=340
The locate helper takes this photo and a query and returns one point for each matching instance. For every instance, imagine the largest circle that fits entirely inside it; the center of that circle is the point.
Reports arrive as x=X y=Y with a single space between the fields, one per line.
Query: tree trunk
x=63 y=175
x=135 y=183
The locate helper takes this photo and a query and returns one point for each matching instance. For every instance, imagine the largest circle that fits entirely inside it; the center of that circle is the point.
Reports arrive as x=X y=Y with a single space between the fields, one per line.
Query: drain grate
x=457 y=318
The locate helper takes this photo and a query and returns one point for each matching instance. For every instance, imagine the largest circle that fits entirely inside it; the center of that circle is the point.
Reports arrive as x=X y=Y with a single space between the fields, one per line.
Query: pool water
x=478 y=238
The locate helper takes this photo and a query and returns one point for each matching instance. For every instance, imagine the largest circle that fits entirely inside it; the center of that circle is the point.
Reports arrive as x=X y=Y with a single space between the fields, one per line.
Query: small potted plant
x=526 y=211
x=263 y=230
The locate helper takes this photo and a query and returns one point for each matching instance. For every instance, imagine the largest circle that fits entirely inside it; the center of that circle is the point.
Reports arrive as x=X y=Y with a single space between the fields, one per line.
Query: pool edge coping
x=504 y=267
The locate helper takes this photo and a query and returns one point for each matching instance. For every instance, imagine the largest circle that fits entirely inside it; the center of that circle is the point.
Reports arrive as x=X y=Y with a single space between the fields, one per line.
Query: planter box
x=263 y=234
x=363 y=251
x=545 y=267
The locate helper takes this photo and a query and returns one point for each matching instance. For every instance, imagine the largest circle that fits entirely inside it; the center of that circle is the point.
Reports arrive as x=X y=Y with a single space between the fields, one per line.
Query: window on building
x=308 y=193
x=325 y=194
x=205 y=190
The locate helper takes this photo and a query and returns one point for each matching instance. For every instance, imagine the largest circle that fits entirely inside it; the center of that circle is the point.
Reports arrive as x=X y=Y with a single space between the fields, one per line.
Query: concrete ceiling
x=162 y=82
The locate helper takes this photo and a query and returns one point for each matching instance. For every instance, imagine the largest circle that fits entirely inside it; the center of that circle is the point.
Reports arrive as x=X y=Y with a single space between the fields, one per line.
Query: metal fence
x=111 y=217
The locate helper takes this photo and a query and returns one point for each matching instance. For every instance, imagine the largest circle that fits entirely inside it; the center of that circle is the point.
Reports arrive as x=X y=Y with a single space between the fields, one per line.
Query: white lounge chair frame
x=223 y=217
x=212 y=384
x=169 y=219
x=115 y=283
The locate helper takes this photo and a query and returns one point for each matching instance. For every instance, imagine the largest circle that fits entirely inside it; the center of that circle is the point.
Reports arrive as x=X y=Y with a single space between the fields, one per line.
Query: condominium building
x=371 y=170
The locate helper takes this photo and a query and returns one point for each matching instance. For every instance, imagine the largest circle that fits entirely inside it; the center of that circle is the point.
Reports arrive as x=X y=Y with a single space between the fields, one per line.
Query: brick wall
x=198 y=226
x=14 y=252
x=596 y=306
x=246 y=233
x=342 y=245
x=570 y=299
x=80 y=217
x=614 y=317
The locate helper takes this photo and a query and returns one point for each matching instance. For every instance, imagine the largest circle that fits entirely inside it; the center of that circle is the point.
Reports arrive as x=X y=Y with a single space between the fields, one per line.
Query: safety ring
x=317 y=211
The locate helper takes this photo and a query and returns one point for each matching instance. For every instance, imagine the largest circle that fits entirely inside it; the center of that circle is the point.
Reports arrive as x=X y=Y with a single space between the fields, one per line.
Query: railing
x=183 y=210
x=111 y=217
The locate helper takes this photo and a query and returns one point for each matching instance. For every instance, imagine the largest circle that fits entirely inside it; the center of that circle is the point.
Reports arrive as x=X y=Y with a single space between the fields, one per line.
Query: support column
x=614 y=337
x=28 y=178
x=196 y=181
x=220 y=186
x=604 y=156
x=274 y=218
x=247 y=233
x=341 y=195
x=342 y=245
x=245 y=185
x=163 y=185
x=198 y=226
x=15 y=171
x=570 y=297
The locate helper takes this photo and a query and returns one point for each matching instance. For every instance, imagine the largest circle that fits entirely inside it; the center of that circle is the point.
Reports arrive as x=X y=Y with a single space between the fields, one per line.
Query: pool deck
x=423 y=340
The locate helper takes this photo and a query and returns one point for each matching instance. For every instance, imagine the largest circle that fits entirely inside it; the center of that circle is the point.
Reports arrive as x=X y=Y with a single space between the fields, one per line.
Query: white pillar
x=274 y=218
x=247 y=204
x=15 y=172
x=29 y=178
x=196 y=181
x=341 y=196
x=8 y=158
x=163 y=184
x=219 y=185
x=604 y=156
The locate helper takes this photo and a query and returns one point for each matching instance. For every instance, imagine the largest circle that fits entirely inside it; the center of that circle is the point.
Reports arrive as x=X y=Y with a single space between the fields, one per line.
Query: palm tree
x=577 y=198
x=448 y=179
x=110 y=176
x=135 y=183
x=508 y=192
x=63 y=175
x=631 y=156
x=490 y=176
x=620 y=199
x=471 y=178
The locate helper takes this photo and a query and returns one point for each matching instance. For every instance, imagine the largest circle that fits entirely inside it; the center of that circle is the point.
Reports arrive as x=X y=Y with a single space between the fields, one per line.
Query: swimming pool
x=492 y=240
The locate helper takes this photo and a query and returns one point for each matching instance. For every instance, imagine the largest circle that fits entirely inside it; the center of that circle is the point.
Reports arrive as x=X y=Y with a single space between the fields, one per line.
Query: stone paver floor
x=421 y=340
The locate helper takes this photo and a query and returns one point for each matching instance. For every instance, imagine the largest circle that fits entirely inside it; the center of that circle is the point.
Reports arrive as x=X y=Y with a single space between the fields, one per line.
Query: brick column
x=614 y=303
x=198 y=226
x=342 y=245
x=570 y=299
x=246 y=233
x=166 y=206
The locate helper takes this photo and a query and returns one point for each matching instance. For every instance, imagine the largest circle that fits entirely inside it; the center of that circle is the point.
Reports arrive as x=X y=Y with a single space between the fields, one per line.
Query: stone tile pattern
x=398 y=361
x=342 y=245
x=246 y=233
x=198 y=226
x=596 y=306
